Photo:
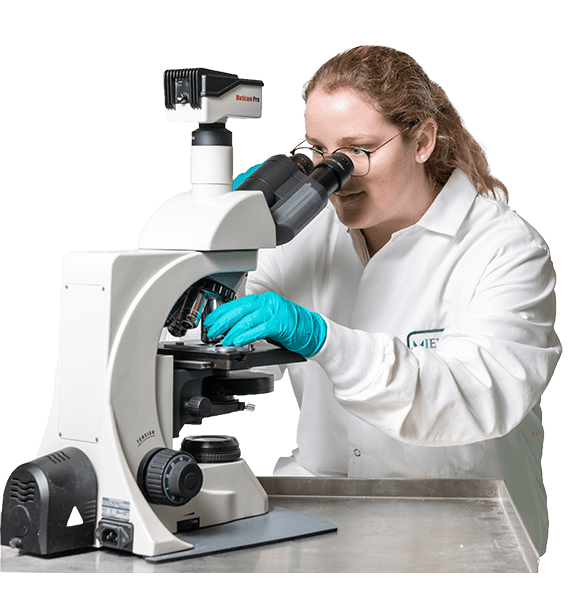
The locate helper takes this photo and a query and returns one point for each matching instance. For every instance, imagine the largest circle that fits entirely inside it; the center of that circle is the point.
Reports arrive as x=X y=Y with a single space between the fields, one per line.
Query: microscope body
x=115 y=394
x=122 y=392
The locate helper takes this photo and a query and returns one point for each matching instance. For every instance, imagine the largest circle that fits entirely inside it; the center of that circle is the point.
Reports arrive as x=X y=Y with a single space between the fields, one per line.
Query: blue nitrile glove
x=241 y=177
x=270 y=316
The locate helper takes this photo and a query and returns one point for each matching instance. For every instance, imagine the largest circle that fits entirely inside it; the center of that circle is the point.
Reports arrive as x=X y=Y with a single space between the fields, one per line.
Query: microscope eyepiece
x=302 y=162
x=333 y=171
x=277 y=175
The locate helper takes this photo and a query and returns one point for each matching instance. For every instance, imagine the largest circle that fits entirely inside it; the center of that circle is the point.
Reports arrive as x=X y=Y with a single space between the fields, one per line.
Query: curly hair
x=405 y=95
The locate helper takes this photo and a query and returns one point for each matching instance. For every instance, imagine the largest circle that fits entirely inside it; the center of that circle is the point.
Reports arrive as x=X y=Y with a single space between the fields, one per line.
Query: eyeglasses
x=360 y=157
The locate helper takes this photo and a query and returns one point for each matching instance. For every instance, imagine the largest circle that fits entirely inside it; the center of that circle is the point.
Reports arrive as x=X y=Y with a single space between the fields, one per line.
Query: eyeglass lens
x=359 y=158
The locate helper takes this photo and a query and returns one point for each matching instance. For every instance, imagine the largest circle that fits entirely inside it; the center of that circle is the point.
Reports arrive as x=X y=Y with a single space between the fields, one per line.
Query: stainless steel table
x=384 y=525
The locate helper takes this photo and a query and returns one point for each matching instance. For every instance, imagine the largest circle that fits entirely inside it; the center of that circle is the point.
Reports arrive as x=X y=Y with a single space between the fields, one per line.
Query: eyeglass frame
x=368 y=153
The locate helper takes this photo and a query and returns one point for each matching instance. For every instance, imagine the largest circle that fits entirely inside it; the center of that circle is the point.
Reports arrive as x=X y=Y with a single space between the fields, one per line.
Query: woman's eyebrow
x=311 y=139
x=347 y=140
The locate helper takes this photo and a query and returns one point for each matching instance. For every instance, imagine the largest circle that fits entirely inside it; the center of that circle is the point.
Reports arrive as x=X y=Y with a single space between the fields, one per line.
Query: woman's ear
x=426 y=140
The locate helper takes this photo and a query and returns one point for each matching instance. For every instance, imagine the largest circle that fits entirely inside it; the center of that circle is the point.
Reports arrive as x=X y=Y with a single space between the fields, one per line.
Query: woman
x=425 y=305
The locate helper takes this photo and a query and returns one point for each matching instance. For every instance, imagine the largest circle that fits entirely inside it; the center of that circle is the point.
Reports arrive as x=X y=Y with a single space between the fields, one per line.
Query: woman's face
x=387 y=195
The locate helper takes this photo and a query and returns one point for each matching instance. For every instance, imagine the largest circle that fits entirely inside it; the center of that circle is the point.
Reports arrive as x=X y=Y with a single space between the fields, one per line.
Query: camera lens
x=333 y=171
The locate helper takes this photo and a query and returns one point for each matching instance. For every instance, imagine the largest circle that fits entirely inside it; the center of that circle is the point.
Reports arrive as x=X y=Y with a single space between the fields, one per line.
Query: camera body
x=208 y=96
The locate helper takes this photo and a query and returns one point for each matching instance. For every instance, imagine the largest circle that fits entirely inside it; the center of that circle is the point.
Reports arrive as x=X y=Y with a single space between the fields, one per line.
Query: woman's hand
x=270 y=316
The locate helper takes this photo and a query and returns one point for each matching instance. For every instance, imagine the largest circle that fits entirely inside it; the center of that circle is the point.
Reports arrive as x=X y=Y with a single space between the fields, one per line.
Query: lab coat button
x=357 y=452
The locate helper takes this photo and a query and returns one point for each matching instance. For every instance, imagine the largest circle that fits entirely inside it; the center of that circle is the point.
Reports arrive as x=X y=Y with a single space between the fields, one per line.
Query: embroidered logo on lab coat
x=424 y=338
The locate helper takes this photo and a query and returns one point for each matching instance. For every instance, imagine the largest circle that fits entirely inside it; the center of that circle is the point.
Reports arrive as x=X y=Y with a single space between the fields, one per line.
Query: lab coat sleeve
x=487 y=372
x=267 y=277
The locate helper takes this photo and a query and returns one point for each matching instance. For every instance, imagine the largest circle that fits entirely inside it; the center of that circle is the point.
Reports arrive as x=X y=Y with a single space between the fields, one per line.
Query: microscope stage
x=230 y=358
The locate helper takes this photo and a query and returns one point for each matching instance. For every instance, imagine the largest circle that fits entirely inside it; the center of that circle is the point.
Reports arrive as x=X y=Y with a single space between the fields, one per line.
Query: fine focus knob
x=169 y=477
x=212 y=449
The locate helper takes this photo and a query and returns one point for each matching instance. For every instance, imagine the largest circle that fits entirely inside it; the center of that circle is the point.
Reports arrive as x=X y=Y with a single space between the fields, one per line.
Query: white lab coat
x=437 y=350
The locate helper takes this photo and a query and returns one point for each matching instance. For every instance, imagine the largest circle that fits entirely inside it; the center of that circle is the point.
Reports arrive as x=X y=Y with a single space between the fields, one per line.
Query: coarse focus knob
x=169 y=477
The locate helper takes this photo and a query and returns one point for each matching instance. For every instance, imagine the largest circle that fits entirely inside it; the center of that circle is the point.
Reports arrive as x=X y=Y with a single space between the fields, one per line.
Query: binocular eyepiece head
x=296 y=191
x=280 y=175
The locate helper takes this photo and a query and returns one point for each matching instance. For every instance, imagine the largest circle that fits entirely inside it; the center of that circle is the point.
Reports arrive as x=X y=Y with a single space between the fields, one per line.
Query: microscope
x=129 y=379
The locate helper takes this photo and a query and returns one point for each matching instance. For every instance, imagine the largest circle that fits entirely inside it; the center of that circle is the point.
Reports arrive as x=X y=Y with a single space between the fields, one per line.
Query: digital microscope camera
x=124 y=389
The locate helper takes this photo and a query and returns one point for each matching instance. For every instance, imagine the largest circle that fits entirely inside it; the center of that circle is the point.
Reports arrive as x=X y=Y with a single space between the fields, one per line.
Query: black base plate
x=279 y=524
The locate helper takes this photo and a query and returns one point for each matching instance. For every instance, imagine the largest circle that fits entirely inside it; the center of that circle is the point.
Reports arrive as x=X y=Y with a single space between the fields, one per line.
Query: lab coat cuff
x=347 y=357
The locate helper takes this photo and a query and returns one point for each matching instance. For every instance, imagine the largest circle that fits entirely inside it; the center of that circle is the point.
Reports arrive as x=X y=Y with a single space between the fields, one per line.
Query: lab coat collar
x=451 y=206
x=444 y=216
